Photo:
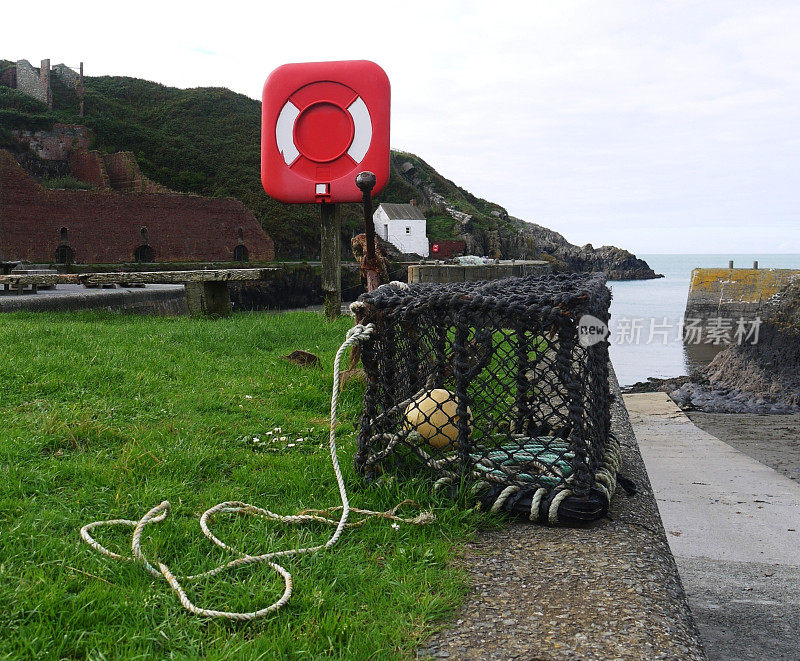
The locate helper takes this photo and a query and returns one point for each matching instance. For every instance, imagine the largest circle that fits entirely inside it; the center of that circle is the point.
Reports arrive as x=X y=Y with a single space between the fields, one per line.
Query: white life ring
x=362 y=131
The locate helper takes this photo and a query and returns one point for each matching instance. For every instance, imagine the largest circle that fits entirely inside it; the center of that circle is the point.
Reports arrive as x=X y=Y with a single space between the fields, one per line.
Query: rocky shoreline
x=698 y=393
x=616 y=263
x=487 y=228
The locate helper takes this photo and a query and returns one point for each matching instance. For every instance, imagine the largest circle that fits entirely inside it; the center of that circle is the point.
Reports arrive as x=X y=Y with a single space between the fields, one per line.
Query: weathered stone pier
x=507 y=268
x=735 y=292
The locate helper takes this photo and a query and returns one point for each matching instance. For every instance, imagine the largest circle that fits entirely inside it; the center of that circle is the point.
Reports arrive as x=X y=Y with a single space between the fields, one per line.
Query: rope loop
x=358 y=333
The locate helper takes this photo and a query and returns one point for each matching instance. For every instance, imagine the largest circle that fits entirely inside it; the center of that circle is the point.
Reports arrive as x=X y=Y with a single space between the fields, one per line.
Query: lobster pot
x=501 y=386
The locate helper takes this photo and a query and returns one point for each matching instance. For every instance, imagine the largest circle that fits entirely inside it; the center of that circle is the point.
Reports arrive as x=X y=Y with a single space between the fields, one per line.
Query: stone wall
x=68 y=76
x=106 y=226
x=44 y=80
x=29 y=81
x=70 y=143
x=36 y=82
x=89 y=167
x=455 y=273
x=294 y=286
x=124 y=174
x=8 y=77
x=57 y=143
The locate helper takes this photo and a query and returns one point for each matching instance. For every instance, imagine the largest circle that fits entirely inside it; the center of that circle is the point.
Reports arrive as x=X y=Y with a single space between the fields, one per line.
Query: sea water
x=646 y=315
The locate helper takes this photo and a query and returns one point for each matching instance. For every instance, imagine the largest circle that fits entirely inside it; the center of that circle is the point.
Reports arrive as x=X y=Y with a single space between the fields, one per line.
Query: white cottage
x=402 y=225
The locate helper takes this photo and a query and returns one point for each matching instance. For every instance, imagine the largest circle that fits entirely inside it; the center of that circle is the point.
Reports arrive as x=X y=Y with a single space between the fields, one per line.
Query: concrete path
x=733 y=525
x=604 y=591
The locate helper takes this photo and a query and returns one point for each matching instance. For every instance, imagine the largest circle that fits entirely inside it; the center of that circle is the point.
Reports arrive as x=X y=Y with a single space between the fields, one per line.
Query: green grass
x=440 y=226
x=67 y=182
x=106 y=415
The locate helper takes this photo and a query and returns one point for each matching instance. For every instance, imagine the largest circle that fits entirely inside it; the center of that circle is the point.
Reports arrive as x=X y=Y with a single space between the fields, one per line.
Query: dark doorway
x=64 y=254
x=240 y=253
x=144 y=253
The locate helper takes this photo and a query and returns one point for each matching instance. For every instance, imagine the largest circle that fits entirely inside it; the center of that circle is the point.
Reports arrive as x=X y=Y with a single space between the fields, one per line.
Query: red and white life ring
x=323 y=124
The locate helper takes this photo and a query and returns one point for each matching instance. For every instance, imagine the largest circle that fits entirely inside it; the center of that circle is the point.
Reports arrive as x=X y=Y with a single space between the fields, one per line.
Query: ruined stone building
x=126 y=219
x=35 y=82
x=122 y=216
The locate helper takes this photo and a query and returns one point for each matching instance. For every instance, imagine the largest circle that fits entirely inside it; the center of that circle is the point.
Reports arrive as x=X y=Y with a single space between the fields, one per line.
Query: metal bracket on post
x=370 y=265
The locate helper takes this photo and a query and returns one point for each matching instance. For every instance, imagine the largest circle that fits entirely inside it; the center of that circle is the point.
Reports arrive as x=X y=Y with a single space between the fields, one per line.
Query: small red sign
x=435 y=247
x=321 y=124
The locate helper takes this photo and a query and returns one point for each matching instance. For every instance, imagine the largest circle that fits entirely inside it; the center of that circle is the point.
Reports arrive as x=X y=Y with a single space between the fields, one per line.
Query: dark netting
x=487 y=383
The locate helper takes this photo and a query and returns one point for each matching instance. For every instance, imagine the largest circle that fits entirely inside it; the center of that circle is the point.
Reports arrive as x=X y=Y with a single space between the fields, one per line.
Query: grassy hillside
x=207 y=141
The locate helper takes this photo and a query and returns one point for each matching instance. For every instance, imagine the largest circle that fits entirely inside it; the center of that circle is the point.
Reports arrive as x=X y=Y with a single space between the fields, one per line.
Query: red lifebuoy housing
x=322 y=124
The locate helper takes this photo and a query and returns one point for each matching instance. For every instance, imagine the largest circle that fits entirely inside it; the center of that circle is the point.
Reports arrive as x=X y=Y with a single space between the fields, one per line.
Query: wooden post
x=331 y=253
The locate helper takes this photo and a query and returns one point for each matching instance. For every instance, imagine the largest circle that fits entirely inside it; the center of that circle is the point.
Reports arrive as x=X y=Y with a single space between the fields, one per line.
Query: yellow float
x=432 y=414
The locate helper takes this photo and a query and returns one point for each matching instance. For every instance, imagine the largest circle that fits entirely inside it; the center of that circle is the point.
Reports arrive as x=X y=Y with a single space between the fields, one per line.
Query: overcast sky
x=655 y=126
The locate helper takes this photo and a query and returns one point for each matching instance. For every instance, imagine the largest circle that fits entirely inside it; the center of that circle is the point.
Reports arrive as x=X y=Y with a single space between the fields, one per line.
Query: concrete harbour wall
x=606 y=591
x=293 y=286
x=735 y=292
x=167 y=300
x=456 y=273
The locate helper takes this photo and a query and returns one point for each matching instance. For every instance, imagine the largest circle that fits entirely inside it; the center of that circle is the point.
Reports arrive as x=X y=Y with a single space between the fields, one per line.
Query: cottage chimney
x=413 y=203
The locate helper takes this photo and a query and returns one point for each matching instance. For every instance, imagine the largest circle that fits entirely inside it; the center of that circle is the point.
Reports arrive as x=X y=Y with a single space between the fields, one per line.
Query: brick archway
x=64 y=254
x=240 y=253
x=144 y=253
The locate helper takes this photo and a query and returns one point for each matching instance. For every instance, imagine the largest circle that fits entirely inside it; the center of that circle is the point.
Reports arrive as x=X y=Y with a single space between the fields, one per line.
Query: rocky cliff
x=616 y=263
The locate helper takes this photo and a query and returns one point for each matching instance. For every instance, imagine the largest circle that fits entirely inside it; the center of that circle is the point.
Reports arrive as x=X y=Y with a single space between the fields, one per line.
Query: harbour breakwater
x=733 y=294
x=758 y=373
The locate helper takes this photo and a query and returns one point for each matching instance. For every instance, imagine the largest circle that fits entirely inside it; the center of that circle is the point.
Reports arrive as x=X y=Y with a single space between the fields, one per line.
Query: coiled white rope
x=358 y=333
